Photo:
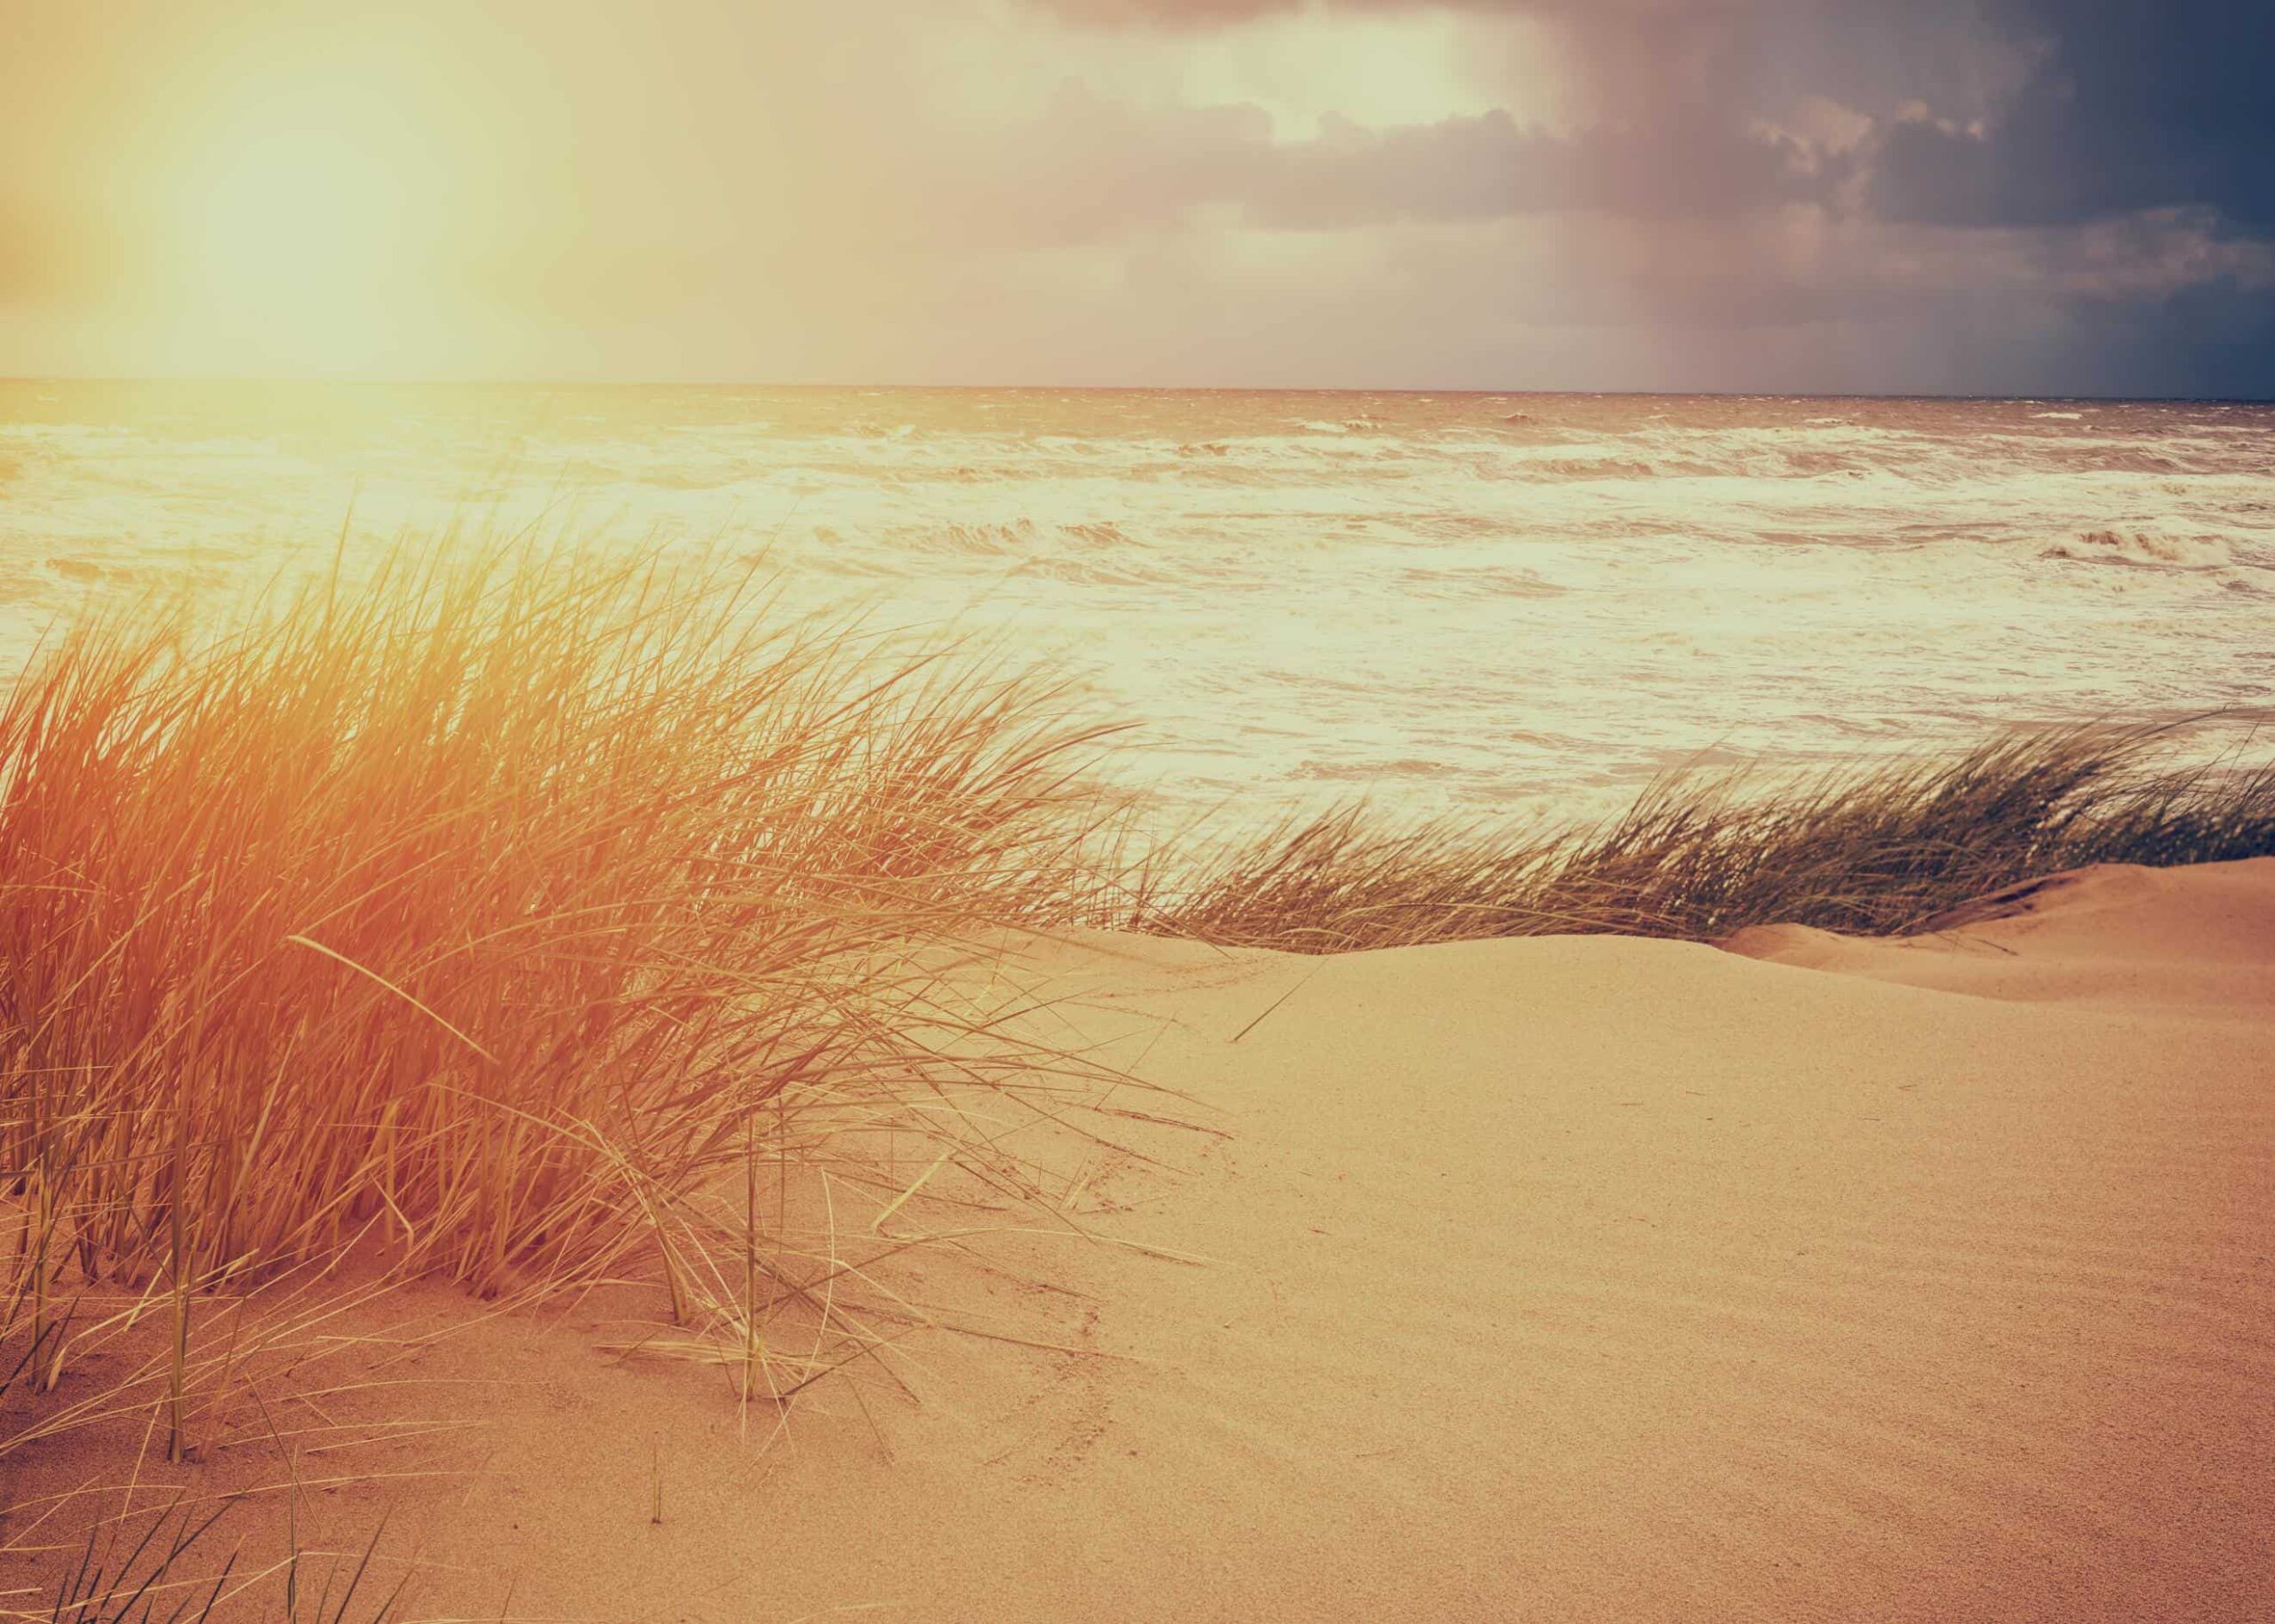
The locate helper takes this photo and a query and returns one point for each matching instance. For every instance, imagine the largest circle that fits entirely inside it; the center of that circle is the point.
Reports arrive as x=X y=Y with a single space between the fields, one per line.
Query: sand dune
x=2113 y=934
x=1561 y=1278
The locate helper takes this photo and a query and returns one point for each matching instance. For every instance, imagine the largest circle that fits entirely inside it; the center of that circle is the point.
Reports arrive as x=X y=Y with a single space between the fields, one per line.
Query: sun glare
x=296 y=232
x=314 y=217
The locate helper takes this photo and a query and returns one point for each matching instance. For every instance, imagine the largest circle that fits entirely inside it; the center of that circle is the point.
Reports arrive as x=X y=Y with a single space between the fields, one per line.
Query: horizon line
x=540 y=382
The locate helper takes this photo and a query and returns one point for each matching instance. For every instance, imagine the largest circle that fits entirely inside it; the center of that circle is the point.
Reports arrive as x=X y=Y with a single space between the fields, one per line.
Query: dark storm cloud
x=2134 y=105
x=1679 y=104
x=1109 y=166
x=2088 y=183
x=1671 y=133
x=1490 y=166
x=2114 y=105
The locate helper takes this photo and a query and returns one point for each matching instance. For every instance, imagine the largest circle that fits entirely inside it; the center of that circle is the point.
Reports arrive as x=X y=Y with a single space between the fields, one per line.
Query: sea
x=1490 y=605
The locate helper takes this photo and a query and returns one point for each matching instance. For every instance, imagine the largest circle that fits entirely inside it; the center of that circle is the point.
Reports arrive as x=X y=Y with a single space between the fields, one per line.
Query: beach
x=1107 y=811
x=1575 y=1278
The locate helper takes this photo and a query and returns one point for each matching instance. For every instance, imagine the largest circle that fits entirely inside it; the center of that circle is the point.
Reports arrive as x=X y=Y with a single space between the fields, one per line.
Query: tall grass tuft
x=481 y=912
x=1872 y=851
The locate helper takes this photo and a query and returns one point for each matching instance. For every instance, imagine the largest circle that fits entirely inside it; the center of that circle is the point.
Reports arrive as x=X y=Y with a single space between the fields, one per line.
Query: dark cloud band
x=2123 y=106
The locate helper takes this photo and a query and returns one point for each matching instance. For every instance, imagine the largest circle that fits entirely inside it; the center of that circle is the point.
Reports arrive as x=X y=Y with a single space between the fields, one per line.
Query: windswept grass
x=487 y=913
x=1869 y=851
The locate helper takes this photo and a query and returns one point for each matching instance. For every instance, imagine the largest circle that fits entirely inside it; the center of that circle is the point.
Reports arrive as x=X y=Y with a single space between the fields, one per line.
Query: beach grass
x=156 y=1567
x=479 y=916
x=1872 y=850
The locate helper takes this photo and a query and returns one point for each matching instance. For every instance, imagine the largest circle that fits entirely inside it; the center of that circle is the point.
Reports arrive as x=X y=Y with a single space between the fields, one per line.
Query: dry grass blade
x=1869 y=851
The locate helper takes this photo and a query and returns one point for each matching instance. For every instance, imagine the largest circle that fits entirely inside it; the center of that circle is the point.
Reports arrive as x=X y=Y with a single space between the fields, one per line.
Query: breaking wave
x=2143 y=547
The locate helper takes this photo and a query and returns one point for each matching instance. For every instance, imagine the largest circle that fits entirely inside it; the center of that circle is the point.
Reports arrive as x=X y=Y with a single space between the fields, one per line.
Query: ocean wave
x=2145 y=548
x=1611 y=468
x=1372 y=771
x=1096 y=533
x=1470 y=582
x=1016 y=535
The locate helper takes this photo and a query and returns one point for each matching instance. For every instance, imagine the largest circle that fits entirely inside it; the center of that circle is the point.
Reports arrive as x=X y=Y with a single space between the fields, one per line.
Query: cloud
x=1222 y=13
x=1092 y=168
x=1937 y=194
x=1801 y=193
x=1487 y=166
x=2027 y=111
x=2133 y=105
x=1670 y=108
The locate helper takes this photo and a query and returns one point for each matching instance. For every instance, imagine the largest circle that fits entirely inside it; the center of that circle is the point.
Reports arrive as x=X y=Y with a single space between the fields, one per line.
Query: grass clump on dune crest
x=489 y=913
x=1876 y=851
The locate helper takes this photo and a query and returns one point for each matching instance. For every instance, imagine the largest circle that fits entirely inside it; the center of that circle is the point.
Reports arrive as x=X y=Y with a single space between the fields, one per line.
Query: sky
x=1963 y=196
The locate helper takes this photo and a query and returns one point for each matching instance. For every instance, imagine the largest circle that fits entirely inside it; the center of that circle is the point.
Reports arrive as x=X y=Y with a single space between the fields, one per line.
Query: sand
x=1566 y=1279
